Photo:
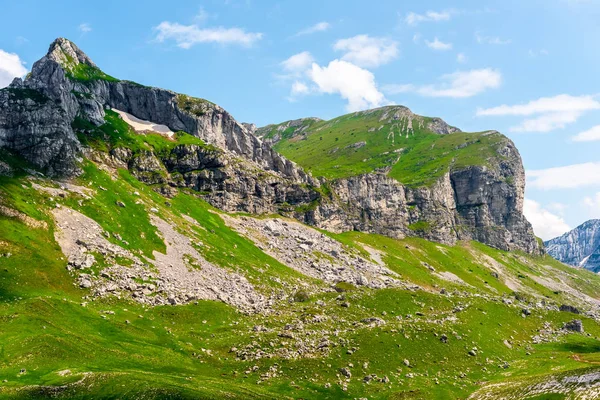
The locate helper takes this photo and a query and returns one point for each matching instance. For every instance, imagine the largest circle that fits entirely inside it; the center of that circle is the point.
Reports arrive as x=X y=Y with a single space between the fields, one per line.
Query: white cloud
x=456 y=85
x=437 y=44
x=481 y=39
x=461 y=58
x=558 y=208
x=551 y=112
x=567 y=177
x=185 y=36
x=592 y=205
x=591 y=135
x=545 y=224
x=367 y=51
x=11 y=67
x=536 y=53
x=319 y=27
x=298 y=63
x=430 y=16
x=355 y=84
x=299 y=88
x=202 y=15
x=84 y=28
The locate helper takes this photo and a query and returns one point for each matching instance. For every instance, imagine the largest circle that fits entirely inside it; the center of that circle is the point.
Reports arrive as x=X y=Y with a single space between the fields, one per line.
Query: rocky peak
x=579 y=247
x=68 y=55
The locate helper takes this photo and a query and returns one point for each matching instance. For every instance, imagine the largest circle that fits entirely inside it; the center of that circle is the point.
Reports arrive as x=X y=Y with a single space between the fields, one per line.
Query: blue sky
x=527 y=68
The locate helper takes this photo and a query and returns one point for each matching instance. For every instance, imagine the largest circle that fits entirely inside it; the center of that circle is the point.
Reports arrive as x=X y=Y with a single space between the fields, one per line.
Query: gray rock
x=569 y=308
x=579 y=247
x=574 y=326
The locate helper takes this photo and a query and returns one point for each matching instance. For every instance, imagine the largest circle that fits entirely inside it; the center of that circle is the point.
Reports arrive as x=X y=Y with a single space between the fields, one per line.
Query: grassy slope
x=417 y=159
x=44 y=328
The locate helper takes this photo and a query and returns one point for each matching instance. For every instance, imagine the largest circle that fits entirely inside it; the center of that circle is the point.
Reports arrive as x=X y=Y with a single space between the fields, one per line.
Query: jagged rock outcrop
x=241 y=172
x=579 y=247
x=74 y=86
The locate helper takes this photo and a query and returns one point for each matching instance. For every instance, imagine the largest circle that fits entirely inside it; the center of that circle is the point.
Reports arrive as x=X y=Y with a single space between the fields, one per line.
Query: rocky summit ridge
x=48 y=118
x=578 y=247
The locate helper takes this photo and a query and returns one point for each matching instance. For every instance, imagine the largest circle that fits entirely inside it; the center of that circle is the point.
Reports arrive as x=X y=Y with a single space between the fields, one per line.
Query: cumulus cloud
x=318 y=27
x=11 y=67
x=566 y=177
x=437 y=44
x=481 y=39
x=355 y=84
x=367 y=51
x=591 y=135
x=185 y=36
x=298 y=62
x=84 y=28
x=545 y=224
x=413 y=18
x=459 y=84
x=550 y=112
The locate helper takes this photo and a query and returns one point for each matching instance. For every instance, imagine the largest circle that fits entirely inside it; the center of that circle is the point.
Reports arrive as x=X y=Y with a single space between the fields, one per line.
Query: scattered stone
x=569 y=308
x=574 y=326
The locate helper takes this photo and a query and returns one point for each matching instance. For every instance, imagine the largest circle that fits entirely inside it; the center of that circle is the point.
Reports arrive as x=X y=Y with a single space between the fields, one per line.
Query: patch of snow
x=142 y=126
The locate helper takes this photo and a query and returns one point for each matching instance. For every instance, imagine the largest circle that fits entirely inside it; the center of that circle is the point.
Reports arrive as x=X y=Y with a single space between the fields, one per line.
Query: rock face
x=66 y=83
x=241 y=172
x=471 y=204
x=579 y=247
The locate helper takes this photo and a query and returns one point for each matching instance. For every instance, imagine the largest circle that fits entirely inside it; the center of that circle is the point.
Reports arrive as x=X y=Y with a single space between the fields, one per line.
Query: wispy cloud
x=298 y=63
x=591 y=135
x=461 y=58
x=459 y=84
x=566 y=177
x=84 y=28
x=11 y=66
x=186 y=36
x=495 y=40
x=538 y=53
x=438 y=45
x=592 y=205
x=414 y=19
x=318 y=27
x=549 y=113
x=367 y=51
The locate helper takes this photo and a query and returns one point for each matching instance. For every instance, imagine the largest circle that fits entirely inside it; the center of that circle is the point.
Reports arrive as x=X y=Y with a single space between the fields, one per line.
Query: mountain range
x=578 y=247
x=151 y=246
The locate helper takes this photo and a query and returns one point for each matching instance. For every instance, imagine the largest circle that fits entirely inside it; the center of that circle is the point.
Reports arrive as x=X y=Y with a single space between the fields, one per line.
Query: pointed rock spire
x=67 y=54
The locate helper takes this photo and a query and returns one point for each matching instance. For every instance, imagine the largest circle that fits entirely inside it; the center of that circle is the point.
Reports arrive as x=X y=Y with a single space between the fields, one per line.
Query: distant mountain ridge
x=579 y=247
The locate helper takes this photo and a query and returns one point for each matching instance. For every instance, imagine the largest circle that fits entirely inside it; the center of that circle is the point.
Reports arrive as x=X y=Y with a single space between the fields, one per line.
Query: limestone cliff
x=241 y=172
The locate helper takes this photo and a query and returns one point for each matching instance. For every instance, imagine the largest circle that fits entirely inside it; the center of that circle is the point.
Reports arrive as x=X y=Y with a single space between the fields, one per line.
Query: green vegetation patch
x=193 y=105
x=23 y=94
x=86 y=73
x=366 y=142
x=115 y=133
